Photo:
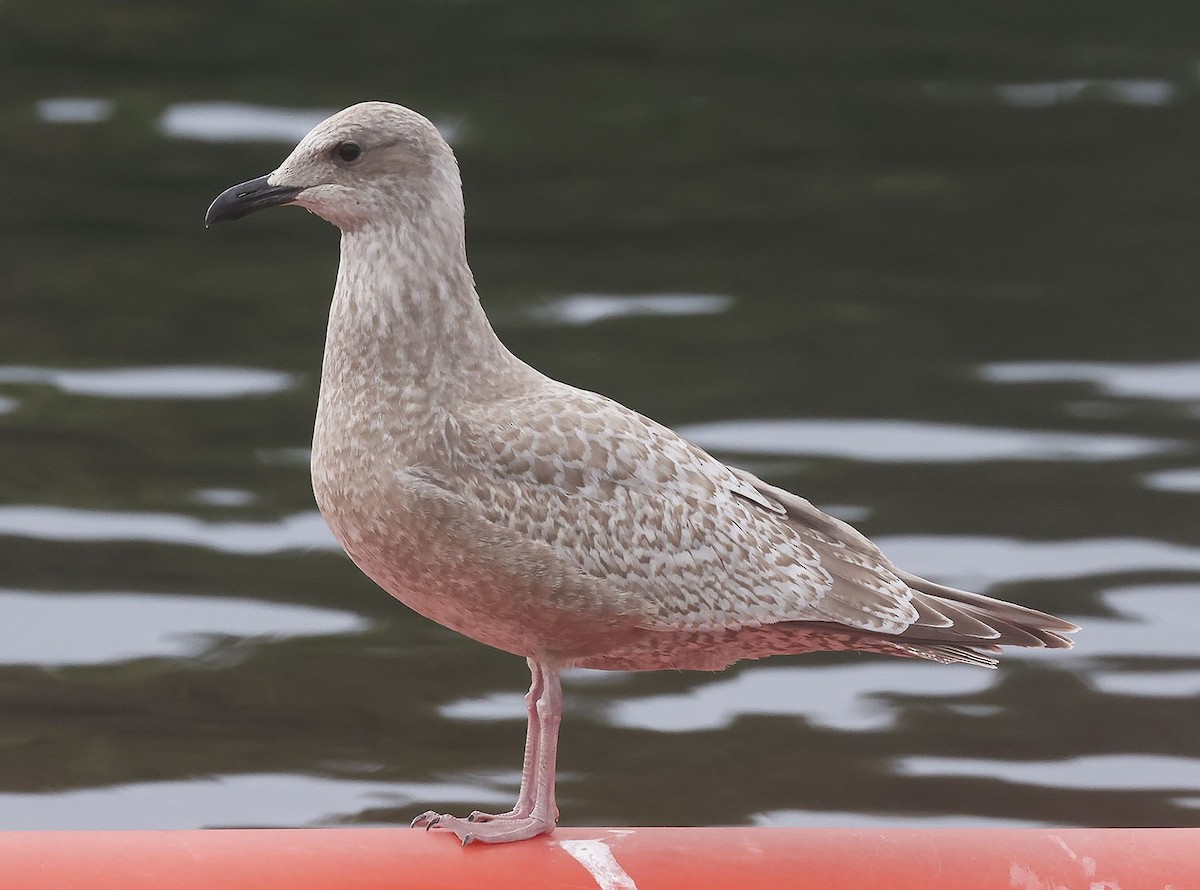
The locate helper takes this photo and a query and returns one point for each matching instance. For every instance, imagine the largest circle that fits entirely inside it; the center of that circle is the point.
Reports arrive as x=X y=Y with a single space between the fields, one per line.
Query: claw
x=495 y=831
x=428 y=819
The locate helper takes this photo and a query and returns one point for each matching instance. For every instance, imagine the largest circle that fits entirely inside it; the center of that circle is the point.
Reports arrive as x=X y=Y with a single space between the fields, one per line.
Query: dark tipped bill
x=236 y=202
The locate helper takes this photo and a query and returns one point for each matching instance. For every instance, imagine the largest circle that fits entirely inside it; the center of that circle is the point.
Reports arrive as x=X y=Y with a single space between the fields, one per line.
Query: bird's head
x=373 y=162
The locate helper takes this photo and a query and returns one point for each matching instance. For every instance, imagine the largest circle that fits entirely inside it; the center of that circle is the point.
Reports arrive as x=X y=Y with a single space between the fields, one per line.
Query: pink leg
x=535 y=812
x=525 y=798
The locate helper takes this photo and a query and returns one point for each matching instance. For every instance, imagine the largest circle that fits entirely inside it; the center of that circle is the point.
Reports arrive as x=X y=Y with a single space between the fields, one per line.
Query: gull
x=541 y=519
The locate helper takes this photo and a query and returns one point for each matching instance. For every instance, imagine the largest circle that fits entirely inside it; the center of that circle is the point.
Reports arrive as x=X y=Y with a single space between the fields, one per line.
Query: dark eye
x=347 y=151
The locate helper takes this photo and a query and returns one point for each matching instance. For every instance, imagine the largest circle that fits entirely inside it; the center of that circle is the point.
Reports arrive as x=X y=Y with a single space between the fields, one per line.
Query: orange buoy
x=606 y=858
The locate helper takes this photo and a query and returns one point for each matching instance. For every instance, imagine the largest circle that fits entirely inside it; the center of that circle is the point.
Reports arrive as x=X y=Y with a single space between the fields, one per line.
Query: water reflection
x=239 y=122
x=900 y=441
x=1160 y=619
x=153 y=383
x=260 y=800
x=1174 y=381
x=1125 y=92
x=74 y=110
x=827 y=819
x=1112 y=771
x=243 y=122
x=585 y=309
x=51 y=628
x=1147 y=92
x=1151 y=682
x=845 y=697
x=224 y=497
x=1183 y=480
x=303 y=531
x=976 y=562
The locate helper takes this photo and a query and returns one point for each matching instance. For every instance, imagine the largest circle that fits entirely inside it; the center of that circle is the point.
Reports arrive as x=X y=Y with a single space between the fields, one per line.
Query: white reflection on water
x=285 y=457
x=1169 y=381
x=224 y=497
x=843 y=697
x=1150 y=684
x=1153 y=621
x=1117 y=772
x=74 y=110
x=1161 y=620
x=168 y=382
x=239 y=122
x=93 y=628
x=820 y=819
x=837 y=696
x=301 y=531
x=1121 y=92
x=1183 y=480
x=256 y=800
x=242 y=122
x=1150 y=92
x=977 y=562
x=905 y=441
x=584 y=309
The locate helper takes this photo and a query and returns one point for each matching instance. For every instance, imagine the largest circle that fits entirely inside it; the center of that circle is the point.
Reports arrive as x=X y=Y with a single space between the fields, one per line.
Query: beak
x=236 y=202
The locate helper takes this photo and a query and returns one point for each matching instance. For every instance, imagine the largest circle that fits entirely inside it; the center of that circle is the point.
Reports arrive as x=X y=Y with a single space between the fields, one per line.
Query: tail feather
x=958 y=627
x=1013 y=625
x=954 y=655
x=950 y=626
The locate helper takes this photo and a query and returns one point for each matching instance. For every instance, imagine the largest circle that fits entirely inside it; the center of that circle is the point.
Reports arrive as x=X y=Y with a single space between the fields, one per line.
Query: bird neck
x=405 y=310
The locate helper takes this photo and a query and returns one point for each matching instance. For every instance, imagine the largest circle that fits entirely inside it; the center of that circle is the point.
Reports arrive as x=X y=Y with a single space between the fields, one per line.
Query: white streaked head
x=373 y=163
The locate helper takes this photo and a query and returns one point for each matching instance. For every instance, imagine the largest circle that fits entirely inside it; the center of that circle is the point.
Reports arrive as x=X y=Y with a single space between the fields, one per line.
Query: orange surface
x=611 y=859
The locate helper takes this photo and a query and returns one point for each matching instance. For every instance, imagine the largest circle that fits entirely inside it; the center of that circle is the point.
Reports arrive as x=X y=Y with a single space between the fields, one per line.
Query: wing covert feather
x=628 y=500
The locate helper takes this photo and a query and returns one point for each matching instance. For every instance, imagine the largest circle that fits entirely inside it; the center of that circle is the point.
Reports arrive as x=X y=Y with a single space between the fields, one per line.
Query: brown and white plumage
x=545 y=520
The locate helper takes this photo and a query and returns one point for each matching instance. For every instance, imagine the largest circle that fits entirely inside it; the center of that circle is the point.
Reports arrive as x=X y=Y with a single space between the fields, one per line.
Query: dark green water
x=932 y=267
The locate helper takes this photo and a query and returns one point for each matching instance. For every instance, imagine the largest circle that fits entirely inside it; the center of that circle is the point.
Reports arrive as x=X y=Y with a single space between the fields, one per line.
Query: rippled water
x=937 y=274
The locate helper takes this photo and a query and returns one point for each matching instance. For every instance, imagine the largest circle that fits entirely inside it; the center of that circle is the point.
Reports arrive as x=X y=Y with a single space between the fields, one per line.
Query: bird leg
x=535 y=811
x=524 y=805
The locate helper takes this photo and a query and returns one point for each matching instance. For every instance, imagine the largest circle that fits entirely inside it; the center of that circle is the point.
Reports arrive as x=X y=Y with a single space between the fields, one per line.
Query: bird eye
x=347 y=151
